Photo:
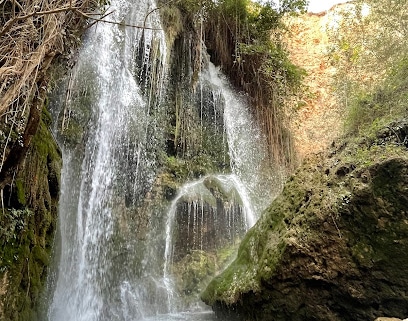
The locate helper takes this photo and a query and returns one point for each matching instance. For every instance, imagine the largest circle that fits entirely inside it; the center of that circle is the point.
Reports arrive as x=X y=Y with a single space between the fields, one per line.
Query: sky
x=322 y=5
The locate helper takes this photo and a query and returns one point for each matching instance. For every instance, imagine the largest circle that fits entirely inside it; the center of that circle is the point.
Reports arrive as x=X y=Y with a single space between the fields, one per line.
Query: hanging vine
x=244 y=38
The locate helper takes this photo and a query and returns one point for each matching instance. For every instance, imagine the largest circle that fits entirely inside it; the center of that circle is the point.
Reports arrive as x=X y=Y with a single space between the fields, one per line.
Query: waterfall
x=117 y=248
x=246 y=146
x=218 y=209
x=113 y=167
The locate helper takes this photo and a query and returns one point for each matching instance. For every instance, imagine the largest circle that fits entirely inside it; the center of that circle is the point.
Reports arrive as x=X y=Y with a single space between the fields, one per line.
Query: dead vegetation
x=33 y=33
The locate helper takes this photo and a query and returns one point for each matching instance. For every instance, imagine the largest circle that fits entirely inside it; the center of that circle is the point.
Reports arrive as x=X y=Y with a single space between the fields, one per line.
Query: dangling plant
x=244 y=37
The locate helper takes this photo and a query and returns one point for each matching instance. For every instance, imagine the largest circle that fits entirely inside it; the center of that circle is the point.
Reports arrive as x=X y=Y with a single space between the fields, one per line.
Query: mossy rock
x=332 y=246
x=192 y=270
x=40 y=255
x=20 y=192
x=25 y=257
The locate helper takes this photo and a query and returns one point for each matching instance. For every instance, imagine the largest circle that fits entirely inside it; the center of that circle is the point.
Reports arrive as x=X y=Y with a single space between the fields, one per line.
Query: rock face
x=333 y=245
x=316 y=122
x=209 y=217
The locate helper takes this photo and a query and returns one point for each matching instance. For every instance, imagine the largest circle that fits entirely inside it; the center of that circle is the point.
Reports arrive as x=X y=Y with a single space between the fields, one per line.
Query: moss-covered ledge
x=333 y=245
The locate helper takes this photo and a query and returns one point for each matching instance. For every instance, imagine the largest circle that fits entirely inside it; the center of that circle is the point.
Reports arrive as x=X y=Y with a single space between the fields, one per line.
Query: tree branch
x=153 y=10
x=77 y=10
x=86 y=15
x=9 y=23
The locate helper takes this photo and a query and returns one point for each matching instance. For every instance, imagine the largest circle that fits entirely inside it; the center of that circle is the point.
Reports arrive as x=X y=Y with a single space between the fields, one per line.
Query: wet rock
x=205 y=214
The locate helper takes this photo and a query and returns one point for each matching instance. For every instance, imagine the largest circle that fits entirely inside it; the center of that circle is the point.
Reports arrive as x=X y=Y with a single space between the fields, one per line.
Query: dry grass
x=32 y=34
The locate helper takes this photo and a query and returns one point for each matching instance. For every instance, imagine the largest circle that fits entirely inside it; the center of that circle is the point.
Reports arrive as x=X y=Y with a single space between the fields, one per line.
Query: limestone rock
x=332 y=246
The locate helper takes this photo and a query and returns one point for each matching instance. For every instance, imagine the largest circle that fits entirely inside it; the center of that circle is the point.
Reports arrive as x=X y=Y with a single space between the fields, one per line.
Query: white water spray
x=88 y=287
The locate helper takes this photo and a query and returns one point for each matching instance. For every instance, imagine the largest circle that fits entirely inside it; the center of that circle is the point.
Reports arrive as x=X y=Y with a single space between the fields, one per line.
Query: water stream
x=114 y=261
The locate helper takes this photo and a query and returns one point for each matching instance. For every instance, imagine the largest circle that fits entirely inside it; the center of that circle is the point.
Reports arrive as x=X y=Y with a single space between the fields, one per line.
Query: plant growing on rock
x=244 y=37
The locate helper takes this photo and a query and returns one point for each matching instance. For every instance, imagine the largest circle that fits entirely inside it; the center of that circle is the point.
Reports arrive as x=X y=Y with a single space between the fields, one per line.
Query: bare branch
x=86 y=15
x=77 y=10
x=9 y=23
x=153 y=10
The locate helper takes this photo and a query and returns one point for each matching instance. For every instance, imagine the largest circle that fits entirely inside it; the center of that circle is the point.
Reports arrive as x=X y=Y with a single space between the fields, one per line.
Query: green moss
x=23 y=255
x=178 y=169
x=45 y=145
x=225 y=254
x=259 y=253
x=237 y=278
x=349 y=208
x=46 y=116
x=21 y=194
x=193 y=270
x=40 y=255
x=73 y=133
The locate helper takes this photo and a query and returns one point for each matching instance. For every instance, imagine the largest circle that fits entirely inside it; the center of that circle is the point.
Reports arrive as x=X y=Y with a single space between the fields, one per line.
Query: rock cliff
x=317 y=119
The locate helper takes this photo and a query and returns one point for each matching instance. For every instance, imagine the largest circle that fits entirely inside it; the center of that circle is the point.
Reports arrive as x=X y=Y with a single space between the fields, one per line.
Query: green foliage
x=293 y=6
x=252 y=22
x=237 y=9
x=370 y=111
x=371 y=63
x=194 y=7
x=262 y=20
x=14 y=222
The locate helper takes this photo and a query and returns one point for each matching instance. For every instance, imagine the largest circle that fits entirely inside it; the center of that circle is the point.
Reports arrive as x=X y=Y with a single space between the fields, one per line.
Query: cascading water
x=213 y=212
x=113 y=169
x=246 y=146
x=117 y=249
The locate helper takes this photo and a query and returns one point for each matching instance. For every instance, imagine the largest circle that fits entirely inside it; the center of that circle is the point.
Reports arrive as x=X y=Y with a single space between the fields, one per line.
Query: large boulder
x=332 y=246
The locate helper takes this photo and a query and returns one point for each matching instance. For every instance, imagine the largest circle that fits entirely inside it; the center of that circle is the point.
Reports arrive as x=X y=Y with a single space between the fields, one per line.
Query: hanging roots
x=32 y=33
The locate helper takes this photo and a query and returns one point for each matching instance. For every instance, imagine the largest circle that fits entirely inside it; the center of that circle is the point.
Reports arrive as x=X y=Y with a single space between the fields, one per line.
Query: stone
x=330 y=247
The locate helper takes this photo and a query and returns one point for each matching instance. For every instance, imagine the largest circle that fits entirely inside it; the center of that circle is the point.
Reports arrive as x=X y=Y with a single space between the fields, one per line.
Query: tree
x=369 y=51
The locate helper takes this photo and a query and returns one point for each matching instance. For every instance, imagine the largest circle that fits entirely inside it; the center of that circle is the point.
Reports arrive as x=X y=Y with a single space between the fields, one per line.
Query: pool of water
x=184 y=316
